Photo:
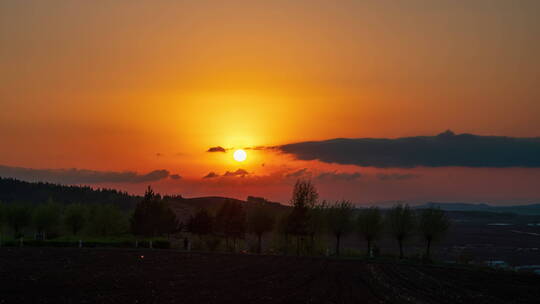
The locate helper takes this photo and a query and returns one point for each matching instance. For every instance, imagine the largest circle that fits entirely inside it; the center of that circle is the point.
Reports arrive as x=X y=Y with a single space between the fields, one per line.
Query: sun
x=240 y=155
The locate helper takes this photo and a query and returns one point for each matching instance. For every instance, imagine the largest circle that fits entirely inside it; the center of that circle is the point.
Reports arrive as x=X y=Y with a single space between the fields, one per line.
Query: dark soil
x=63 y=275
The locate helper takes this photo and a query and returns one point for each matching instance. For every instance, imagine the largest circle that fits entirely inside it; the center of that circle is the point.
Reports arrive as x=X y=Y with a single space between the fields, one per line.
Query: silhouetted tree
x=304 y=194
x=3 y=211
x=45 y=217
x=106 y=219
x=201 y=223
x=170 y=223
x=433 y=223
x=340 y=219
x=153 y=216
x=370 y=226
x=18 y=216
x=231 y=221
x=317 y=222
x=304 y=197
x=75 y=217
x=260 y=221
x=283 y=229
x=401 y=221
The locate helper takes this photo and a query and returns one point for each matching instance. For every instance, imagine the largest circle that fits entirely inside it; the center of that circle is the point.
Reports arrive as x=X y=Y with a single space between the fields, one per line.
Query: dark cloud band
x=445 y=149
x=81 y=176
x=239 y=172
x=216 y=149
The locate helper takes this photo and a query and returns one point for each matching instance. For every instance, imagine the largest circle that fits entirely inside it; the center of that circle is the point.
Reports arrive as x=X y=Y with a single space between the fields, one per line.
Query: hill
x=184 y=207
x=16 y=191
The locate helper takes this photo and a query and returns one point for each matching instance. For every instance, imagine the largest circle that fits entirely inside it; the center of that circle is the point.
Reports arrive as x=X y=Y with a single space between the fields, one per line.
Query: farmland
x=63 y=275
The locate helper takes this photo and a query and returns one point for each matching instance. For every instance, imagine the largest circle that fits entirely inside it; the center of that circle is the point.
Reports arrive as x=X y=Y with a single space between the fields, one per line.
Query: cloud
x=81 y=176
x=239 y=172
x=445 y=149
x=324 y=175
x=211 y=175
x=175 y=176
x=335 y=176
x=396 y=176
x=258 y=148
x=216 y=149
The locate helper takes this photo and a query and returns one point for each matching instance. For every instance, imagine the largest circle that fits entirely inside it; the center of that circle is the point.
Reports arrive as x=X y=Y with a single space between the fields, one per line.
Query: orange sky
x=109 y=85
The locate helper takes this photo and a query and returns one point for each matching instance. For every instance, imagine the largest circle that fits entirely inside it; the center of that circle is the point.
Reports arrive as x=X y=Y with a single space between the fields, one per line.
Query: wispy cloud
x=211 y=175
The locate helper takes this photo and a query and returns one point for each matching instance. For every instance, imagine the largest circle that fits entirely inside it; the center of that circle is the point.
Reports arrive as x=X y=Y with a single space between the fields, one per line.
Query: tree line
x=299 y=229
x=51 y=219
x=308 y=220
x=151 y=217
x=21 y=192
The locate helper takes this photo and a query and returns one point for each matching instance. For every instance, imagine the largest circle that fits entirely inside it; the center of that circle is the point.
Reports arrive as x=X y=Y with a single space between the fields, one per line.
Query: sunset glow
x=153 y=86
x=270 y=151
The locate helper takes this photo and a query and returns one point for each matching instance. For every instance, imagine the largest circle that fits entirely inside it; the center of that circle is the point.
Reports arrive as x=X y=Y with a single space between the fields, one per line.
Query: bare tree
x=401 y=221
x=433 y=224
x=340 y=219
x=304 y=194
x=304 y=197
x=370 y=226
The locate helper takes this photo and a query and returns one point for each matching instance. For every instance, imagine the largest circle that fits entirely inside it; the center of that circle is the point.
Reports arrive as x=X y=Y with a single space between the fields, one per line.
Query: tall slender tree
x=304 y=197
x=317 y=223
x=340 y=219
x=260 y=221
x=401 y=221
x=370 y=226
x=153 y=216
x=231 y=221
x=433 y=223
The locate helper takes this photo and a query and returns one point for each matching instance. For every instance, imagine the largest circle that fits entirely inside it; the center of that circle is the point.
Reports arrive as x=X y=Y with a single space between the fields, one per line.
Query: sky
x=126 y=94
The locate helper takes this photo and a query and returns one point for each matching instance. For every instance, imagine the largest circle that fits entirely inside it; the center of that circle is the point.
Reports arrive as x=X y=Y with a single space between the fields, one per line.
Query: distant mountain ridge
x=530 y=209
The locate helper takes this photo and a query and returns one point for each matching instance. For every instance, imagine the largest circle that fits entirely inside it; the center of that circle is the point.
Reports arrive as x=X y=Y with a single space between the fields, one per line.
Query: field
x=64 y=275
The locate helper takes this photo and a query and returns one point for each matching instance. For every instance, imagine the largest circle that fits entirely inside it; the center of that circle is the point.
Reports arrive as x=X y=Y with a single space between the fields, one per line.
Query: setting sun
x=240 y=155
